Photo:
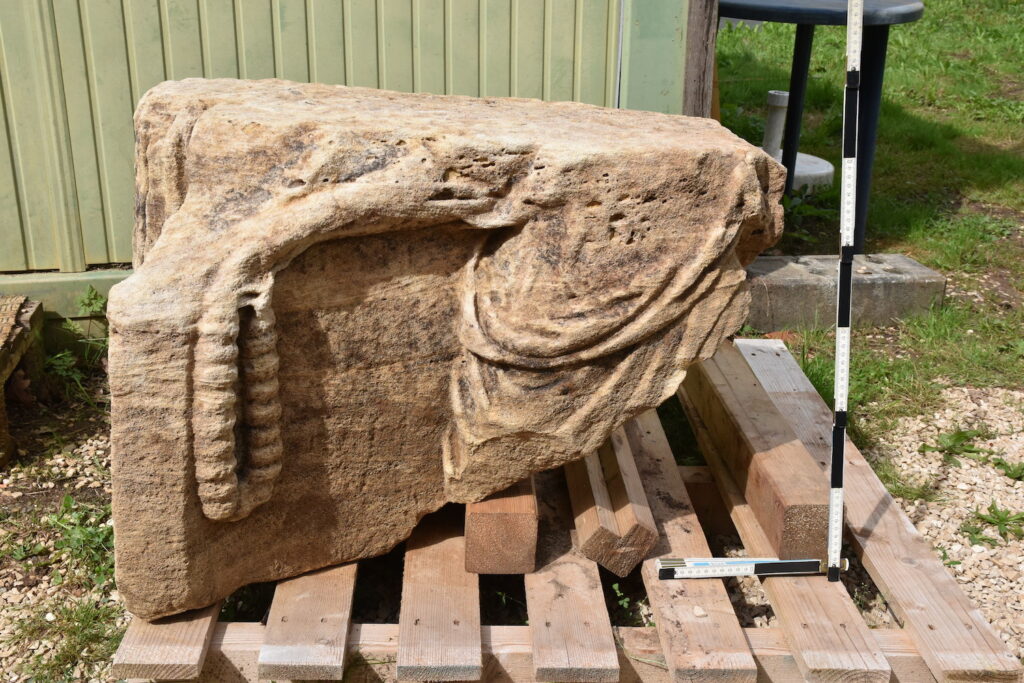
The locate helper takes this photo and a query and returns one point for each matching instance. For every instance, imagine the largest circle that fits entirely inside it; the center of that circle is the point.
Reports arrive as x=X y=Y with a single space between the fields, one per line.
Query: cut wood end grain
x=501 y=531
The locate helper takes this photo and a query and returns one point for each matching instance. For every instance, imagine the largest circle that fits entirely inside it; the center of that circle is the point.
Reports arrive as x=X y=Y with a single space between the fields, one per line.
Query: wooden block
x=949 y=631
x=308 y=626
x=825 y=630
x=439 y=622
x=614 y=526
x=572 y=634
x=699 y=632
x=773 y=469
x=501 y=532
x=173 y=648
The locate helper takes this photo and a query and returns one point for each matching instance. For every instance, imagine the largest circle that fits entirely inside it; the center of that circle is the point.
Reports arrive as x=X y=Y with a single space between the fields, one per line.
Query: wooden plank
x=501 y=532
x=172 y=648
x=614 y=526
x=700 y=634
x=773 y=469
x=571 y=631
x=949 y=631
x=308 y=626
x=439 y=621
x=507 y=652
x=826 y=632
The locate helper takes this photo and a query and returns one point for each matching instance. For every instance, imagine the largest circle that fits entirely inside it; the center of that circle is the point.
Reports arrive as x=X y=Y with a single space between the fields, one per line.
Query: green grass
x=85 y=632
x=948 y=190
x=86 y=537
x=951 y=117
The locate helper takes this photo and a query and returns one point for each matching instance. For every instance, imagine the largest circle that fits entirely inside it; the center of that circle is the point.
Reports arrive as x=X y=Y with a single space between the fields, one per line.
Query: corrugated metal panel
x=71 y=72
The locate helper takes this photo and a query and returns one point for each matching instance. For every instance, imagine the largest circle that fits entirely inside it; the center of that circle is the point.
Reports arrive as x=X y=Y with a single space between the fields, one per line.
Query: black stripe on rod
x=787 y=567
x=850 y=123
x=845 y=294
x=846 y=254
x=833 y=574
x=838 y=447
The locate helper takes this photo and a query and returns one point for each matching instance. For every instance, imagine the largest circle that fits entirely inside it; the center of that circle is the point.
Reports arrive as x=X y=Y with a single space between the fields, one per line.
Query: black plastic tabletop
x=821 y=12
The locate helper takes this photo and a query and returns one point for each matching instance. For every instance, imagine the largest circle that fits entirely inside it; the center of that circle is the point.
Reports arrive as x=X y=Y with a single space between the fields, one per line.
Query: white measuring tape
x=718 y=567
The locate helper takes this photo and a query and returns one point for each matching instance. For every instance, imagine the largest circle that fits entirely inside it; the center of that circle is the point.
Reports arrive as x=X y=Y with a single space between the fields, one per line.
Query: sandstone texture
x=352 y=306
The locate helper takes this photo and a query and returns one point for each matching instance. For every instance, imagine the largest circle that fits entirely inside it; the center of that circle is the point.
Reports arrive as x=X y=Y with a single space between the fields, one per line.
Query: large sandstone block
x=352 y=306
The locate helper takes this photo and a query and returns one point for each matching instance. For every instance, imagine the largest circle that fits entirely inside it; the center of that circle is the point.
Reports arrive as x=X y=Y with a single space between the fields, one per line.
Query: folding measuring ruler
x=714 y=567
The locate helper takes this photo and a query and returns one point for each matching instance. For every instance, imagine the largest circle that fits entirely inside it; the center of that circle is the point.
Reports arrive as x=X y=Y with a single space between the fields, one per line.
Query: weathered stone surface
x=352 y=306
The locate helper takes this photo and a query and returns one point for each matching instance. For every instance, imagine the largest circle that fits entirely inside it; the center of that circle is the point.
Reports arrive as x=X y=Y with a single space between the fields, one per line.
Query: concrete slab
x=790 y=292
x=59 y=292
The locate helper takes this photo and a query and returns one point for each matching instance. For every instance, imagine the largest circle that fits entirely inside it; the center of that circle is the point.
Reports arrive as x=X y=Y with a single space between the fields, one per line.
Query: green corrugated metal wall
x=71 y=72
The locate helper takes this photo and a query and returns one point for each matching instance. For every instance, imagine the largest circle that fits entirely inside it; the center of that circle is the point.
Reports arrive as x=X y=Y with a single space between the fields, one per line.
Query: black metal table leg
x=797 y=90
x=873 y=49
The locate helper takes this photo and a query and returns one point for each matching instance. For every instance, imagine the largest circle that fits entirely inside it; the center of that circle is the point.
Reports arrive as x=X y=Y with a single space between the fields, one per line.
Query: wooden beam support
x=172 y=648
x=614 y=526
x=948 y=630
x=507 y=654
x=501 y=531
x=569 y=624
x=439 y=621
x=699 y=632
x=825 y=630
x=308 y=626
x=775 y=472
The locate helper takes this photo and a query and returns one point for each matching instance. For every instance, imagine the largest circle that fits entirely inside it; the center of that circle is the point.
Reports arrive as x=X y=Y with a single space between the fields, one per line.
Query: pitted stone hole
x=617 y=216
x=295 y=182
x=444 y=193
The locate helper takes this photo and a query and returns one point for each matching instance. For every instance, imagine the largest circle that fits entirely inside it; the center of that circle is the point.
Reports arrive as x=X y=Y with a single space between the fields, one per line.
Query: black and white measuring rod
x=714 y=567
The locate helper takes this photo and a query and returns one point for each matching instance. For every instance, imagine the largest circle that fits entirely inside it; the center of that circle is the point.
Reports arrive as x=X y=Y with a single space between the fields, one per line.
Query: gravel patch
x=990 y=572
x=60 y=617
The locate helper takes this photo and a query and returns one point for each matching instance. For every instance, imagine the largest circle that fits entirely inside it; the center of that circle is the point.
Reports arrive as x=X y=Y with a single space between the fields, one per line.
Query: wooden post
x=501 y=531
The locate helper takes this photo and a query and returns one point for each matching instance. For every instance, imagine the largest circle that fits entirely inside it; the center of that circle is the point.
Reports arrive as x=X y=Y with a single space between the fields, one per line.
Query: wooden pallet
x=570 y=638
